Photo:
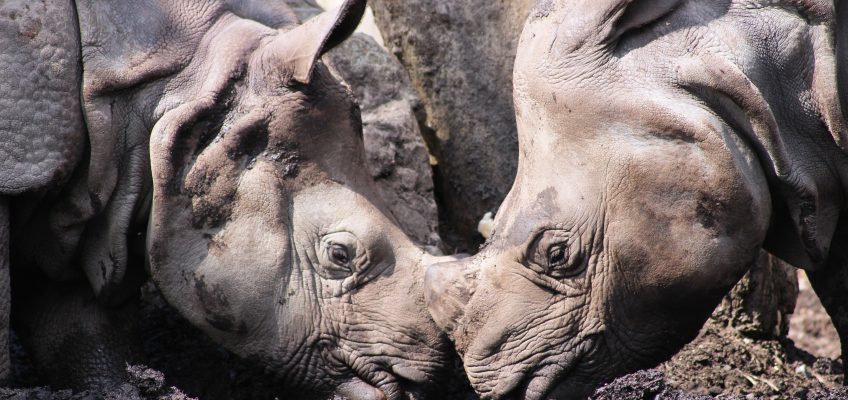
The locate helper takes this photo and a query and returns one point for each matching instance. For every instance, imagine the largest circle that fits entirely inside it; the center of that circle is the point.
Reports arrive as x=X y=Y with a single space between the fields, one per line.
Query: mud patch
x=652 y=384
x=647 y=384
x=722 y=361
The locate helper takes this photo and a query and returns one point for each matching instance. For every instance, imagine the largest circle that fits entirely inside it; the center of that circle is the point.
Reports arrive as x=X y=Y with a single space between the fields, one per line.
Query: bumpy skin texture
x=41 y=124
x=39 y=92
x=662 y=144
x=218 y=121
x=61 y=322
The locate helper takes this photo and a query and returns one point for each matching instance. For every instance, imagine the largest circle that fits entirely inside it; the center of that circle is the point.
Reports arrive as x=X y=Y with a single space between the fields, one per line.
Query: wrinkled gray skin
x=216 y=122
x=662 y=144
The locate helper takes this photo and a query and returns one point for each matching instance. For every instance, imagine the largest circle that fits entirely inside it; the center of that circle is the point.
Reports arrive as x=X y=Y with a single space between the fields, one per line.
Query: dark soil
x=144 y=384
x=647 y=384
x=722 y=363
x=653 y=385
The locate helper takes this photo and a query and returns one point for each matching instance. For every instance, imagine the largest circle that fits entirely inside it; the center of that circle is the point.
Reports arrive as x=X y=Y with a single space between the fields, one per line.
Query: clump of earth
x=723 y=361
x=653 y=384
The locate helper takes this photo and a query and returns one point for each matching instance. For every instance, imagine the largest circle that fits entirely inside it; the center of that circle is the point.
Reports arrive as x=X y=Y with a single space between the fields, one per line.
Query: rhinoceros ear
x=301 y=47
x=633 y=14
x=592 y=23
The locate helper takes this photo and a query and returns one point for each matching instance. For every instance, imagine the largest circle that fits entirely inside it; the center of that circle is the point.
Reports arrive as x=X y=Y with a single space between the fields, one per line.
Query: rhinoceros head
x=649 y=135
x=266 y=229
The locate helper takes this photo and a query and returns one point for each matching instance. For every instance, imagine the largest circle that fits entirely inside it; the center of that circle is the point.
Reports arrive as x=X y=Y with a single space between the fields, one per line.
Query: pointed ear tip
x=351 y=13
x=637 y=13
x=355 y=3
x=303 y=45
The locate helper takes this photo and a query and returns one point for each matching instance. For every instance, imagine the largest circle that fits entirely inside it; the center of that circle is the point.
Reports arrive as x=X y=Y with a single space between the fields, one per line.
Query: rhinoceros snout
x=447 y=288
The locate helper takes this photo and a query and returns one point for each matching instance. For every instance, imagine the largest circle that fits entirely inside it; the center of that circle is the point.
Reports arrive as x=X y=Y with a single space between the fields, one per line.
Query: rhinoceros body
x=662 y=145
x=208 y=137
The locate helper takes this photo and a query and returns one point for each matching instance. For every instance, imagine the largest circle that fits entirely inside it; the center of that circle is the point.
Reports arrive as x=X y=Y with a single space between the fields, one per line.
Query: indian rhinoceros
x=663 y=143
x=208 y=137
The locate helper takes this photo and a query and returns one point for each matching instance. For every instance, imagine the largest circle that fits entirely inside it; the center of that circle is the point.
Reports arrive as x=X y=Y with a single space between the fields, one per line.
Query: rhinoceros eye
x=564 y=262
x=340 y=255
x=556 y=253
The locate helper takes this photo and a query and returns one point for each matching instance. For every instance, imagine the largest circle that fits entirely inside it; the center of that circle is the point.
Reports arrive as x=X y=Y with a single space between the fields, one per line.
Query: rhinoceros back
x=41 y=125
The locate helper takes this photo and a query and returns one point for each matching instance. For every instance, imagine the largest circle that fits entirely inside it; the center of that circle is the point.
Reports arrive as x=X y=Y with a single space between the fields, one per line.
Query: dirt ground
x=723 y=364
x=720 y=364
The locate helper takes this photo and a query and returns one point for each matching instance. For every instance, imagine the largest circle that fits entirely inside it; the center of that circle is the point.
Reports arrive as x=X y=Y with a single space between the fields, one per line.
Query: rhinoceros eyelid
x=333 y=245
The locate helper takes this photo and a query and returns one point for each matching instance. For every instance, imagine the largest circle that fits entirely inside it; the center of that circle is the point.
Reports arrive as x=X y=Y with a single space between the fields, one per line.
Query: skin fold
x=211 y=140
x=662 y=145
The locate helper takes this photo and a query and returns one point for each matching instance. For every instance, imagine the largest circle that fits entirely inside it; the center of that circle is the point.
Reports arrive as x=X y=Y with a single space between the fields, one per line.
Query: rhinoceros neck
x=784 y=103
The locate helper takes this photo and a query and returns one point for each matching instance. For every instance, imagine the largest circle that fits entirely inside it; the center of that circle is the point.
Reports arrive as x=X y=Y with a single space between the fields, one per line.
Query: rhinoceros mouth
x=540 y=381
x=539 y=384
x=394 y=383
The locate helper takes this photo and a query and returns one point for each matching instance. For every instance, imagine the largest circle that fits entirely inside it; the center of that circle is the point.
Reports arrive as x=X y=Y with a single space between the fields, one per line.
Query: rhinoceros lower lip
x=544 y=381
x=384 y=384
x=359 y=390
x=560 y=387
x=410 y=374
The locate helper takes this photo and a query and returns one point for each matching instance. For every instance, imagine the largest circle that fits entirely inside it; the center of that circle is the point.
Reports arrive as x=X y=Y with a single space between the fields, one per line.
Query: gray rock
x=460 y=56
x=396 y=153
x=761 y=303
